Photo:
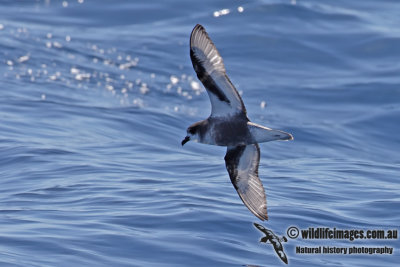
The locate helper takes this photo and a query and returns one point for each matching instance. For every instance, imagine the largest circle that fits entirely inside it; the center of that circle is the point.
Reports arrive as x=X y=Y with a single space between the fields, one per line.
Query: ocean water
x=95 y=97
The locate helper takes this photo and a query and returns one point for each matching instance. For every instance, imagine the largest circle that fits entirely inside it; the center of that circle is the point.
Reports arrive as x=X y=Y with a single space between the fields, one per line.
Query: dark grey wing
x=210 y=69
x=260 y=227
x=279 y=251
x=242 y=165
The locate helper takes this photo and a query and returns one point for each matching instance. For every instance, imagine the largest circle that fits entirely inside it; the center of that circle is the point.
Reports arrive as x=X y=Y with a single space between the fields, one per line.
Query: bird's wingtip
x=261 y=216
x=196 y=28
x=264 y=217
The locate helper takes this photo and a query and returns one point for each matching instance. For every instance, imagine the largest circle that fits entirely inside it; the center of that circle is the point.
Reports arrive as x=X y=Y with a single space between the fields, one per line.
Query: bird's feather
x=210 y=69
x=242 y=165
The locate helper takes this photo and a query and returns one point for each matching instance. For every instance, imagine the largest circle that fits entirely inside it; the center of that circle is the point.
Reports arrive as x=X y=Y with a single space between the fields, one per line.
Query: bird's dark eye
x=192 y=130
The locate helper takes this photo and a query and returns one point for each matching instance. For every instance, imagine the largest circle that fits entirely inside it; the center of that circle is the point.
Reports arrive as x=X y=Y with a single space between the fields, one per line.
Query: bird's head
x=192 y=134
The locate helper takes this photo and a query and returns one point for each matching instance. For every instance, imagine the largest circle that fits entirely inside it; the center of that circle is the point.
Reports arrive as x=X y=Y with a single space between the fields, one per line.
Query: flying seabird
x=228 y=124
x=275 y=241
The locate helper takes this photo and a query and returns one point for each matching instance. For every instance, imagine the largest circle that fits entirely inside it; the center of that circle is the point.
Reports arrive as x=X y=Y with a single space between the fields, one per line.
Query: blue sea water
x=95 y=97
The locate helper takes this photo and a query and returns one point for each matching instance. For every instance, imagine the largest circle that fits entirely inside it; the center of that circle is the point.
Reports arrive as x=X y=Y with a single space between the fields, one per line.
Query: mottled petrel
x=228 y=124
x=276 y=242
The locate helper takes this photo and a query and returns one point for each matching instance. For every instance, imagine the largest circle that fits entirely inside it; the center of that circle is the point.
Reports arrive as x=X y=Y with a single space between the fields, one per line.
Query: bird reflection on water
x=274 y=240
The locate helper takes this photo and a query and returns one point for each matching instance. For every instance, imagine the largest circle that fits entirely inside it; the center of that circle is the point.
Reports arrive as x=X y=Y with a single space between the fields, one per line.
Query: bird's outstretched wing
x=242 y=165
x=210 y=69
